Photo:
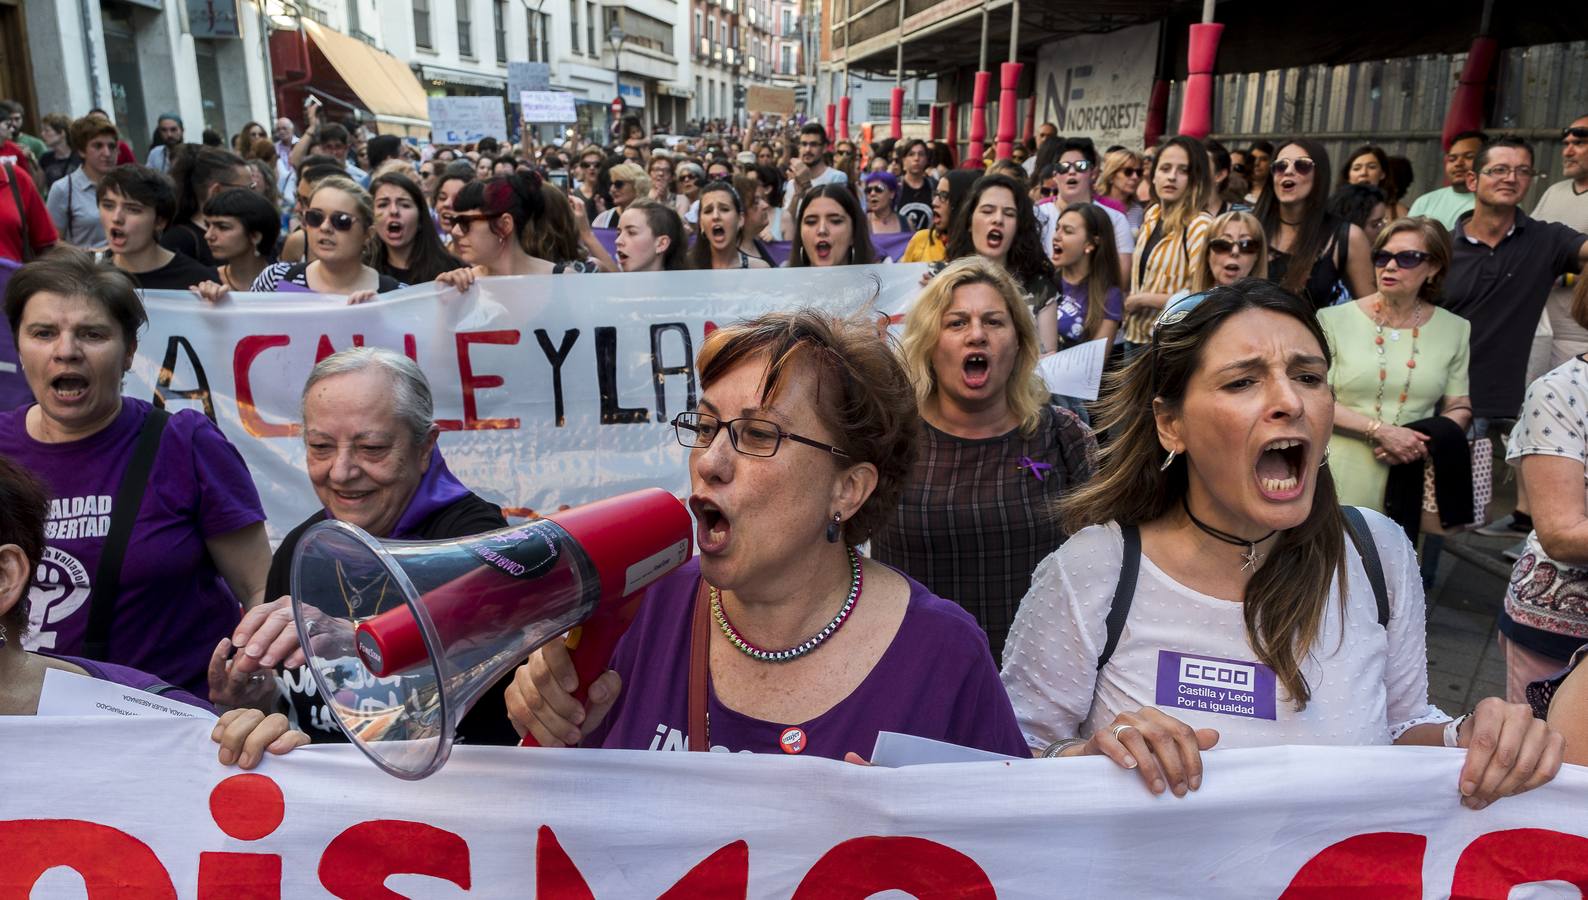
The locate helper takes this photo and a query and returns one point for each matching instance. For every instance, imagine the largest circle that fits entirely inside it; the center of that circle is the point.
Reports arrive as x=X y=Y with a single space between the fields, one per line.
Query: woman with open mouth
x=995 y=453
x=998 y=223
x=406 y=246
x=881 y=188
x=805 y=428
x=1215 y=593
x=1311 y=252
x=721 y=231
x=1172 y=241
x=1089 y=303
x=451 y=180
x=337 y=222
x=930 y=244
x=494 y=223
x=833 y=230
x=651 y=238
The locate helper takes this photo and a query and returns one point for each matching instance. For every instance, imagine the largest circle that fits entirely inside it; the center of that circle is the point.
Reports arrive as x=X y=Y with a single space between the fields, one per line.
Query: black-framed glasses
x=341 y=221
x=752 y=437
x=616 y=185
x=1065 y=168
x=1302 y=164
x=1245 y=246
x=1406 y=259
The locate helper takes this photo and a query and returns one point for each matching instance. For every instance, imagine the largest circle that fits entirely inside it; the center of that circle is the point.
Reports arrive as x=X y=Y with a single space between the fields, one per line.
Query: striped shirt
x=1169 y=266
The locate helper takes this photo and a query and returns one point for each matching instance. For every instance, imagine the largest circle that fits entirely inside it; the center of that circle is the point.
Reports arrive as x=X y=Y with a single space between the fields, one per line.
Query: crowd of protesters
x=1299 y=379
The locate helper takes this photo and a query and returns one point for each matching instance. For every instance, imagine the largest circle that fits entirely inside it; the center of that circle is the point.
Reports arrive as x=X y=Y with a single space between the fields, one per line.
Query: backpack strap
x=1124 y=591
x=129 y=496
x=22 y=213
x=1362 y=537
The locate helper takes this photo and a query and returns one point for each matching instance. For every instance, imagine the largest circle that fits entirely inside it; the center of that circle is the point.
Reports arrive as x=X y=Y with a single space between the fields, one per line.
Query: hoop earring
x=1168 y=461
x=833 y=529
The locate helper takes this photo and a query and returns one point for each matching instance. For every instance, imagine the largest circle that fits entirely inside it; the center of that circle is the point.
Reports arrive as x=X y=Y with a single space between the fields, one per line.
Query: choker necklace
x=791 y=653
x=1251 y=556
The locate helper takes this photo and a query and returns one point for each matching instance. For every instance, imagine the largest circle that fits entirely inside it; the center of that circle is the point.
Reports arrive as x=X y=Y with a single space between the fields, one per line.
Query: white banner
x=1097 y=85
x=549 y=389
x=139 y=808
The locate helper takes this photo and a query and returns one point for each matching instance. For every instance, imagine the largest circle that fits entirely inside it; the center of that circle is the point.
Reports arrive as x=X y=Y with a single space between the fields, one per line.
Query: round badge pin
x=792 y=741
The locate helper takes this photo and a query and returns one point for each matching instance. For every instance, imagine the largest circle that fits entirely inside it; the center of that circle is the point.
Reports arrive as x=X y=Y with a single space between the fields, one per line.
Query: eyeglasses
x=1245 y=246
x=1580 y=134
x=1065 y=168
x=1504 y=172
x=1302 y=164
x=341 y=221
x=1406 y=259
x=464 y=221
x=752 y=437
x=584 y=164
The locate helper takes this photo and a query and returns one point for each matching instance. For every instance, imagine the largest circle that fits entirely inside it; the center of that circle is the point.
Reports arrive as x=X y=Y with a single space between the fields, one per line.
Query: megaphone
x=402 y=637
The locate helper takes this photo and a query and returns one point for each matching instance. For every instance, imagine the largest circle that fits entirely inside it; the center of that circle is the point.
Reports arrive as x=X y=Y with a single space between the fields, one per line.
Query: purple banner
x=1209 y=684
x=13 y=387
x=889 y=247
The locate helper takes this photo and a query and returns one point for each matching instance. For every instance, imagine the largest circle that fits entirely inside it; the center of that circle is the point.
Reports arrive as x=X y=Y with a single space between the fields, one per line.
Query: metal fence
x=1400 y=105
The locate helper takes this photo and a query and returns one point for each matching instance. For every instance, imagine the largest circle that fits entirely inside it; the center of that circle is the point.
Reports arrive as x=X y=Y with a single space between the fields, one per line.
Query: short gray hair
x=411 y=399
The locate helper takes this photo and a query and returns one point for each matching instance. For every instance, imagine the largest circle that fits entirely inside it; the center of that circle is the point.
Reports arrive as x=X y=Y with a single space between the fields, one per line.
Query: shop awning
x=382 y=83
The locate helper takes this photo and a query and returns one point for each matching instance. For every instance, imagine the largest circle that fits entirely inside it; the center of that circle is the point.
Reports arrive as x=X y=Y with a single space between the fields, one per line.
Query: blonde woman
x=1117 y=180
x=994 y=454
x=1173 y=238
x=1236 y=249
x=626 y=182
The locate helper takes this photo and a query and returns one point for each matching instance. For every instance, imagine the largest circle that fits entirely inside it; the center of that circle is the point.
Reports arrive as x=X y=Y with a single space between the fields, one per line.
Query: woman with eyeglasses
x=1370 y=165
x=1090 y=304
x=1311 y=252
x=1236 y=250
x=833 y=230
x=1398 y=361
x=494 y=225
x=337 y=223
x=587 y=169
x=805 y=430
x=1174 y=233
x=930 y=244
x=1211 y=543
x=995 y=455
x=880 y=189
x=721 y=231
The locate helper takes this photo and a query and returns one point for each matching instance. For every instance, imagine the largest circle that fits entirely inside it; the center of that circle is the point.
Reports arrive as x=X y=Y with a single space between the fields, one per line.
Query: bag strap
x=699 y=670
x=1362 y=537
x=129 y=496
x=22 y=213
x=1124 y=591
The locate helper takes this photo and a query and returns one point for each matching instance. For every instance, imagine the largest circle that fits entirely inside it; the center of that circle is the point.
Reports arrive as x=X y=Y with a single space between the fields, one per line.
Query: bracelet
x=1372 y=430
x=1453 y=726
x=1059 y=746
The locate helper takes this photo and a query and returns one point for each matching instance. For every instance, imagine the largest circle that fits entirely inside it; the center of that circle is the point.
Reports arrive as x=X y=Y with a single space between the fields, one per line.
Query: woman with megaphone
x=779 y=637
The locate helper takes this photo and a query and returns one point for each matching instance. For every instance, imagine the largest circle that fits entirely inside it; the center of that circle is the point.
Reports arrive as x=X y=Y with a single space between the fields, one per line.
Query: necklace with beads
x=1383 y=364
x=795 y=652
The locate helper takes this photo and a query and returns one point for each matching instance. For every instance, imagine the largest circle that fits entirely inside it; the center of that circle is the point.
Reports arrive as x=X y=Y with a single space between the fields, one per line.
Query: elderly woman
x=1399 y=360
x=245 y=735
x=1211 y=537
x=806 y=647
x=370 y=435
x=146 y=565
x=995 y=455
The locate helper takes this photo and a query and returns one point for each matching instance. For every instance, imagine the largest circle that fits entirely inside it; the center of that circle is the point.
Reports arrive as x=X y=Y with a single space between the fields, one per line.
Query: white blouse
x=1187 y=653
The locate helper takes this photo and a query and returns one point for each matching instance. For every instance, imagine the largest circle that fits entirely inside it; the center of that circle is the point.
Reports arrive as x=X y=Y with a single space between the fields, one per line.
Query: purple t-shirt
x=1072 y=310
x=936 y=680
x=173 y=605
x=133 y=678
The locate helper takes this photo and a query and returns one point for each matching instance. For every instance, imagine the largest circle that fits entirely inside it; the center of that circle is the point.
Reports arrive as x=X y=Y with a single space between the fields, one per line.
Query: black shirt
x=185 y=237
x=485 y=723
x=1501 y=290
x=181 y=273
x=914 y=205
x=53 y=168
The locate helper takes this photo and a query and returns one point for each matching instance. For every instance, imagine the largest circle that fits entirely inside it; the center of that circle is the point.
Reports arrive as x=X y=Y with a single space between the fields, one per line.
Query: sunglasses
x=465 y=221
x=1065 y=168
x=1175 y=313
x=1245 y=246
x=1406 y=259
x=1580 y=134
x=1130 y=171
x=341 y=221
x=619 y=184
x=1302 y=164
x=876 y=189
x=1050 y=192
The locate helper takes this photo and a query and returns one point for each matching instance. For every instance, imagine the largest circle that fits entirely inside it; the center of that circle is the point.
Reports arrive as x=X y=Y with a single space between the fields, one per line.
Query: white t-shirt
x=1048 y=218
x=829 y=176
x=1369 y=683
x=1561 y=203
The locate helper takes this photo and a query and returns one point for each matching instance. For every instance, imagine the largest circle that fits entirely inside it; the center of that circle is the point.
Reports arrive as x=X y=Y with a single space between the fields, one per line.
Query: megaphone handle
x=592 y=643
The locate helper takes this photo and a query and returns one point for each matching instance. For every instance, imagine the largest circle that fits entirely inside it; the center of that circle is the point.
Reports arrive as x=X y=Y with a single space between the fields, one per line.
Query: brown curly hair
x=862 y=393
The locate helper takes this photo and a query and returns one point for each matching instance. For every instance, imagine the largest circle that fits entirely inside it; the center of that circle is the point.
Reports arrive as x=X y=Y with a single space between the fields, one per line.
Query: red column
x=1008 y=107
x=843 y=117
x=936 y=120
x=1157 y=114
x=1466 y=104
x=1196 y=107
x=832 y=120
x=896 y=113
x=978 y=120
x=953 y=128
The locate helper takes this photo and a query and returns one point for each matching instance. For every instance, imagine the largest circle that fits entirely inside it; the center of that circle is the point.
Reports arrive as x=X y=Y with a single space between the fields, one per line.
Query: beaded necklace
x=1383 y=365
x=791 y=653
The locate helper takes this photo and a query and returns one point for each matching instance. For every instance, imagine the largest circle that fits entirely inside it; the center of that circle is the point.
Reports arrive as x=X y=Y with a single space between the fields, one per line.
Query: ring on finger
x=1115 y=731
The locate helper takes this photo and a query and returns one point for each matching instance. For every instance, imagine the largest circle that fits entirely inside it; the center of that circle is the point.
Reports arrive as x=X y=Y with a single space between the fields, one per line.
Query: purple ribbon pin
x=1038 y=469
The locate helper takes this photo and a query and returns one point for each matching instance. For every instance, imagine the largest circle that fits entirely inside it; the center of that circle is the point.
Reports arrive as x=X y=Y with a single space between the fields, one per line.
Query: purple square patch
x=1209 y=684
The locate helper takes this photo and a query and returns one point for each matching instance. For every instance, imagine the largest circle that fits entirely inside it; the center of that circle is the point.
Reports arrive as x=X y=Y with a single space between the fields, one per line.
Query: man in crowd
x=914 y=200
x=13 y=113
x=168 y=133
x=11 y=151
x=1448 y=203
x=74 y=200
x=811 y=169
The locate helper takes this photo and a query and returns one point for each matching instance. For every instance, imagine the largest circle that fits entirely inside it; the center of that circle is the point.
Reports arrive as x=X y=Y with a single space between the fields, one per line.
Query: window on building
x=788 y=22
x=422 y=24
x=465 y=28
x=711 y=31
x=877 y=109
x=590 y=29
x=499 y=19
x=573 y=27
x=787 y=67
x=700 y=30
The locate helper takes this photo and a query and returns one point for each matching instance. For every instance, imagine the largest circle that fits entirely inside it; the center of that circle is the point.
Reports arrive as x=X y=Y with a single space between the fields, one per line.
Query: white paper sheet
x=69 y=694
x=894 y=750
x=1076 y=372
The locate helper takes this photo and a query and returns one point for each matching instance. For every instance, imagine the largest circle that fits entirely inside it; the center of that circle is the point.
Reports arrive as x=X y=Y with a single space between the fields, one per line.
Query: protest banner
x=1097 y=85
x=463 y=120
x=143 y=810
x=550 y=390
x=888 y=246
x=548 y=107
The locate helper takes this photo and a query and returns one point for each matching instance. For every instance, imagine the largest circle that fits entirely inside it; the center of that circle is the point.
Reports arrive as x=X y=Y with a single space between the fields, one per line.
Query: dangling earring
x=833 y=529
x=2 y=634
x=1325 y=458
x=1168 y=461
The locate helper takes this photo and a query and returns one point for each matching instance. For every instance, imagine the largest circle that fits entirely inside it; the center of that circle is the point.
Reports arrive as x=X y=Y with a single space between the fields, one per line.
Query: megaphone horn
x=403 y=637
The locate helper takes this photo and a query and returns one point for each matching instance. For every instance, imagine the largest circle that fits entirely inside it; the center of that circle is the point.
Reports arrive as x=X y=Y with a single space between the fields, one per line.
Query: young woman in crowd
x=1173 y=237
x=880 y=189
x=994 y=453
x=1370 y=165
x=135 y=203
x=244 y=140
x=1310 y=252
x=197 y=547
x=757 y=212
x=492 y=225
x=1216 y=506
x=651 y=238
x=1090 y=304
x=448 y=184
x=1259 y=158
x=783 y=497
x=241 y=231
x=721 y=231
x=338 y=222
x=199 y=173
x=998 y=223
x=1398 y=359
x=626 y=183
x=931 y=244
x=296 y=247
x=780 y=222
x=1364 y=206
x=832 y=229
x=406 y=247
x=718 y=170
x=1236 y=250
